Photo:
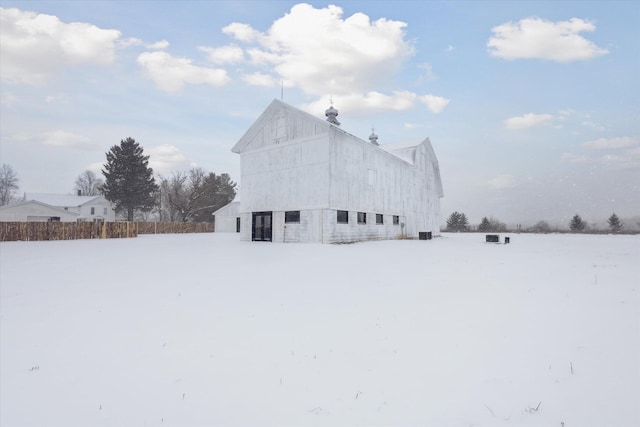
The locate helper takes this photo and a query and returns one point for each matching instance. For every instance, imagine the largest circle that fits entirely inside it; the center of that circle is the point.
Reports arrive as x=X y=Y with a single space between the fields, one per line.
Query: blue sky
x=532 y=107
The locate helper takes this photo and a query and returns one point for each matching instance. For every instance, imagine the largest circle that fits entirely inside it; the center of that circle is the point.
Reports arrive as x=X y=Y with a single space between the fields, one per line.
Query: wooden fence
x=174 y=227
x=31 y=231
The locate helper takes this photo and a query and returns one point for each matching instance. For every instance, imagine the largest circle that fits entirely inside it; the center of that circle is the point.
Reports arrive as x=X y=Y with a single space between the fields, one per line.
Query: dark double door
x=261 y=226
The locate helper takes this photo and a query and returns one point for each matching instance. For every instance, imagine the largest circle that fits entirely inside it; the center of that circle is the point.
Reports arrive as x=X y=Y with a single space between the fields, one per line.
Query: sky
x=533 y=108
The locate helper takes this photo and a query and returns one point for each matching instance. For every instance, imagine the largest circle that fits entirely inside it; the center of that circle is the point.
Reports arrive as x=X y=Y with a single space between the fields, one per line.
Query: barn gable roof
x=407 y=151
x=281 y=121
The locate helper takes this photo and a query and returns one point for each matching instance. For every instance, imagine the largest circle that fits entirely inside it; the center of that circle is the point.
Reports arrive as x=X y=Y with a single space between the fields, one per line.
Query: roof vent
x=373 y=138
x=331 y=114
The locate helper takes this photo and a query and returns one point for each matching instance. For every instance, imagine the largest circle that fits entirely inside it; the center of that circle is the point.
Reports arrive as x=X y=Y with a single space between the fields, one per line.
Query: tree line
x=129 y=184
x=458 y=222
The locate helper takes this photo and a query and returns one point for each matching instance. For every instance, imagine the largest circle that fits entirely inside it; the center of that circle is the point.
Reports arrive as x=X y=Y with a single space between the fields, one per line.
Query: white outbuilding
x=227 y=218
x=45 y=207
x=305 y=179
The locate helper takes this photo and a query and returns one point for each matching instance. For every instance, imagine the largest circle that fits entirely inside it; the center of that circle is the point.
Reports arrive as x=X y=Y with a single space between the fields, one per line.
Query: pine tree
x=464 y=223
x=129 y=182
x=615 y=225
x=485 y=225
x=577 y=224
x=453 y=222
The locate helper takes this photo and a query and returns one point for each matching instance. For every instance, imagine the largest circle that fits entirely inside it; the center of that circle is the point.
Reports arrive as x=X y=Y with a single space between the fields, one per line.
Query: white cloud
x=575 y=158
x=230 y=54
x=429 y=75
x=260 y=79
x=593 y=125
x=35 y=45
x=502 y=182
x=165 y=159
x=171 y=73
x=612 y=143
x=435 y=104
x=630 y=159
x=527 y=121
x=357 y=103
x=65 y=139
x=132 y=41
x=242 y=32
x=323 y=53
x=541 y=39
x=162 y=44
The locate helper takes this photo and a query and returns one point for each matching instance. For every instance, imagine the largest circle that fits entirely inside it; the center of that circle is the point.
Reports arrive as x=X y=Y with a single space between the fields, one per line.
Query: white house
x=59 y=207
x=34 y=211
x=305 y=179
x=227 y=218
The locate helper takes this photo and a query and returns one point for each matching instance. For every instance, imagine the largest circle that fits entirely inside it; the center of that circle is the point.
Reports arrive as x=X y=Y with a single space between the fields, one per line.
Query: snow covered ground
x=205 y=330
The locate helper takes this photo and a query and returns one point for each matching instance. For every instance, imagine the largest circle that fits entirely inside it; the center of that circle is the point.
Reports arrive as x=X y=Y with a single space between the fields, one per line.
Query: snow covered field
x=205 y=330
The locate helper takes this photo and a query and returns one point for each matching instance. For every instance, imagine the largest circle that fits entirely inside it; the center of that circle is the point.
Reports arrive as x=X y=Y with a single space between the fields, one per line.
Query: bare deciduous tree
x=8 y=185
x=194 y=195
x=89 y=184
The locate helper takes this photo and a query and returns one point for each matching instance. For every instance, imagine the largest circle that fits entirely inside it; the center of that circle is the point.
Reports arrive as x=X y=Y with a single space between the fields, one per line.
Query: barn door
x=261 y=226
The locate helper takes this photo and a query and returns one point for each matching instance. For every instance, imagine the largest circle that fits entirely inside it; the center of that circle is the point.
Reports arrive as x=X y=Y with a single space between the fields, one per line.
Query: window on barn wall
x=93 y=211
x=362 y=218
x=379 y=219
x=343 y=217
x=104 y=211
x=292 y=217
x=396 y=220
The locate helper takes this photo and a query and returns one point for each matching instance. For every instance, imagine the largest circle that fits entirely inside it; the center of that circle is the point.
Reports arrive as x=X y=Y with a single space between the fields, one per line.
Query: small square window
x=379 y=219
x=343 y=217
x=291 y=217
x=362 y=218
x=396 y=219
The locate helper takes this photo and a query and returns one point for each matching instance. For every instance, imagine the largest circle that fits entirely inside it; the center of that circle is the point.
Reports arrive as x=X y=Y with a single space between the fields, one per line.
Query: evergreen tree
x=453 y=222
x=485 y=225
x=577 y=224
x=219 y=190
x=129 y=182
x=615 y=225
x=492 y=224
x=464 y=223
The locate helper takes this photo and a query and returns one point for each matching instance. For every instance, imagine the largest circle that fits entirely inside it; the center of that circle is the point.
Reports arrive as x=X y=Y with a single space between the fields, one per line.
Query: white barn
x=43 y=207
x=306 y=180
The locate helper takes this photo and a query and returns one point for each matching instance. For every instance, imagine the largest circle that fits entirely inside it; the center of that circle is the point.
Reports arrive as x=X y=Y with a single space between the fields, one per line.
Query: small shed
x=227 y=218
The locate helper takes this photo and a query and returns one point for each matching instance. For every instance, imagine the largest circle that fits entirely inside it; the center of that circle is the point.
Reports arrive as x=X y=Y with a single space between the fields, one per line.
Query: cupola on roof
x=332 y=115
